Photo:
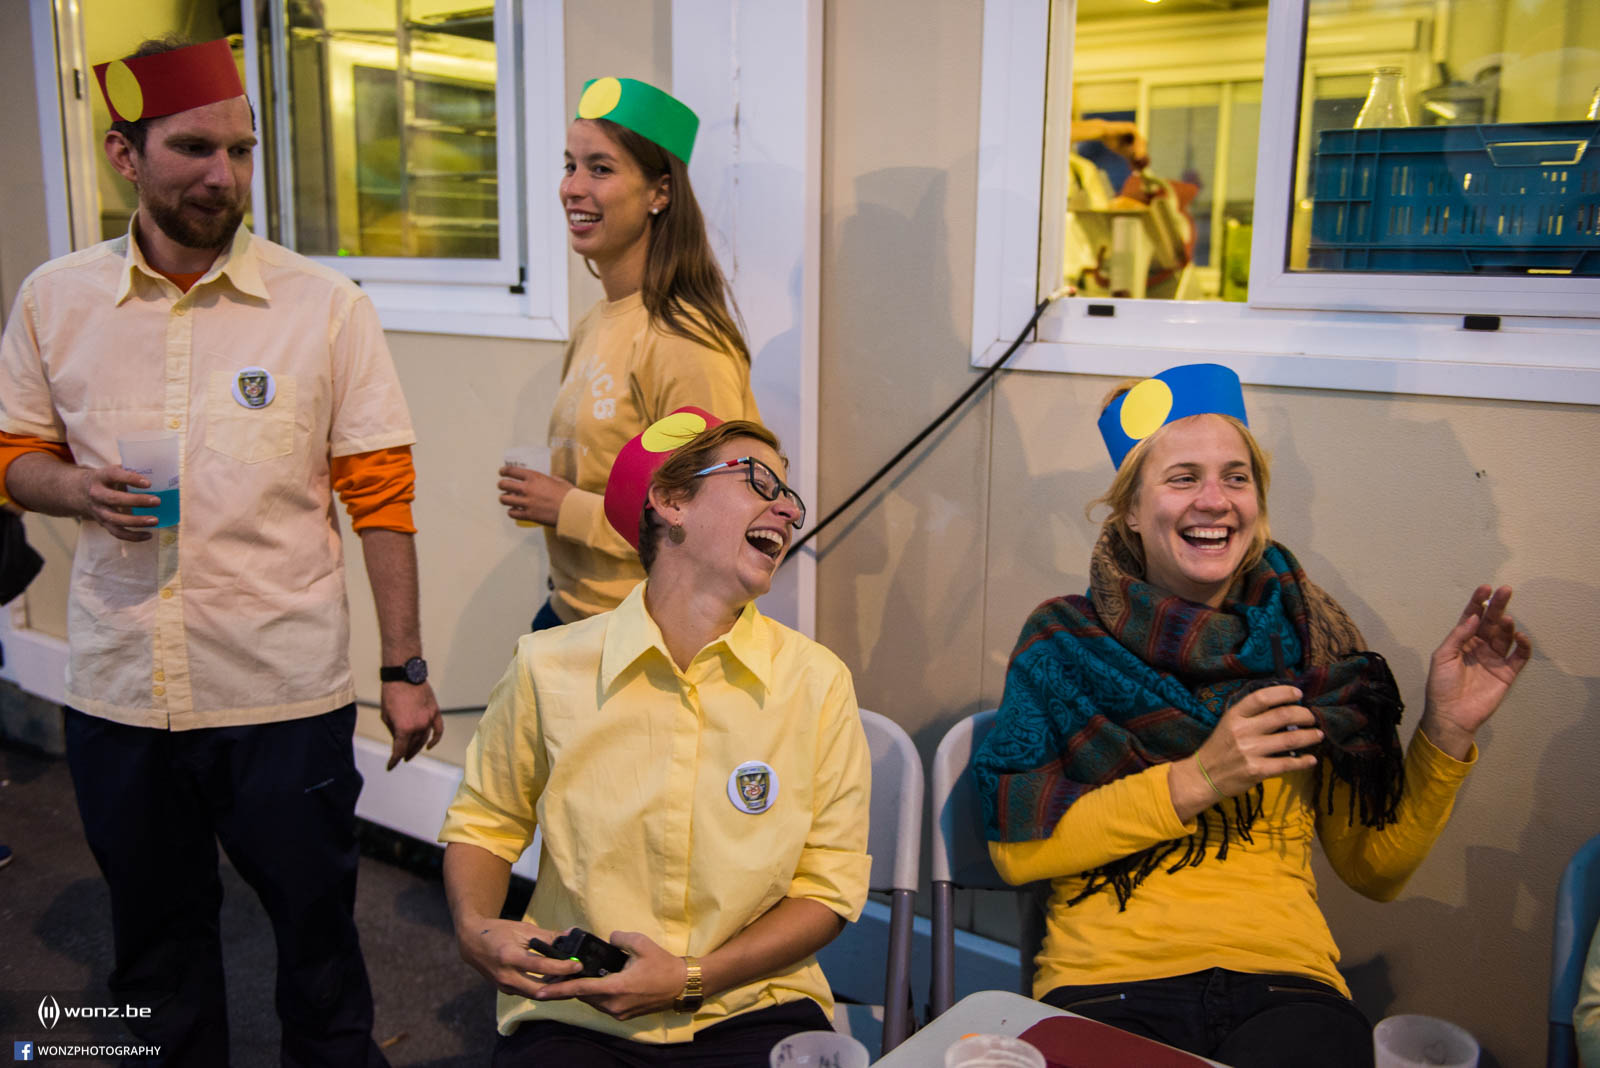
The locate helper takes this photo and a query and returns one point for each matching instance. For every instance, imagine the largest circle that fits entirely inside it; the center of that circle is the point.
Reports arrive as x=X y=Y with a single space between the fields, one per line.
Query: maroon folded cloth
x=1073 y=1042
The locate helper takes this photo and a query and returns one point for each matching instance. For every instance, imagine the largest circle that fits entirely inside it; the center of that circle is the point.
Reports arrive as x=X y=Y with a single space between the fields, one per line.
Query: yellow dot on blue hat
x=1145 y=408
x=124 y=92
x=600 y=98
x=669 y=432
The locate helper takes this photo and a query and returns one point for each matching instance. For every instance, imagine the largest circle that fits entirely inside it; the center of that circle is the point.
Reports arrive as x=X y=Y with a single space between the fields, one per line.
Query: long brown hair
x=683 y=288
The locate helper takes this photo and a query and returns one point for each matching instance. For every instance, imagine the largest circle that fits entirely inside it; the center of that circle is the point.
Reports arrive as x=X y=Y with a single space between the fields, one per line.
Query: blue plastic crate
x=1507 y=198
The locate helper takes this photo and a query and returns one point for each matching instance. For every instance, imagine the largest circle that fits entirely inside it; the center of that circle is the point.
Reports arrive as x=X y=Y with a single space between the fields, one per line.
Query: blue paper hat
x=1176 y=393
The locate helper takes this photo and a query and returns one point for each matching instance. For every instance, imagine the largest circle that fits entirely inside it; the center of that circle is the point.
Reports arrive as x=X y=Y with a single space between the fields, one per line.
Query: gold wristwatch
x=694 y=987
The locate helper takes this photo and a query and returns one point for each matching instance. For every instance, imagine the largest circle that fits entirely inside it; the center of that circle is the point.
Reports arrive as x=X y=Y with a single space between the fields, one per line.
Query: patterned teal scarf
x=1132 y=676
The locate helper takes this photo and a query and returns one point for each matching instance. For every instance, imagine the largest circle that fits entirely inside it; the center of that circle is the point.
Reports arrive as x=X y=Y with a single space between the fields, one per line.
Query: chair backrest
x=871 y=960
x=960 y=847
x=895 y=836
x=1577 y=912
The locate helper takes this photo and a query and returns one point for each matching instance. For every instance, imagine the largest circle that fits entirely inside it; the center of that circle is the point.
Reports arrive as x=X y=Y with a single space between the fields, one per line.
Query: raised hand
x=1249 y=744
x=1472 y=670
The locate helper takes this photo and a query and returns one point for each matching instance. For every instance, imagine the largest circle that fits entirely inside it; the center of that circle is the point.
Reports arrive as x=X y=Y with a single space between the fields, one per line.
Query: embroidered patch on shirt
x=253 y=387
x=753 y=787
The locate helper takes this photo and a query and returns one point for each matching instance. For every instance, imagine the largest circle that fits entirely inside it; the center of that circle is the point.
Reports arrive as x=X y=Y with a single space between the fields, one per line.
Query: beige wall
x=1398 y=505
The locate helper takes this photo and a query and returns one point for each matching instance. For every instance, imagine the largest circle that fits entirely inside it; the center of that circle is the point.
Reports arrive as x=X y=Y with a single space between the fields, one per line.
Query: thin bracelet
x=1220 y=795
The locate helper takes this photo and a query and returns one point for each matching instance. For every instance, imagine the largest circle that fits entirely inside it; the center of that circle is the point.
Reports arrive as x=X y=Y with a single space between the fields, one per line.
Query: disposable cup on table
x=153 y=454
x=531 y=457
x=819 y=1049
x=992 y=1051
x=1414 y=1041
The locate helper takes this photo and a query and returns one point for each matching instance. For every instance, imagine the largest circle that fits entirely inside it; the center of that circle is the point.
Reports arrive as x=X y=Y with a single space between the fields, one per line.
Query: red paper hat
x=147 y=87
x=628 y=488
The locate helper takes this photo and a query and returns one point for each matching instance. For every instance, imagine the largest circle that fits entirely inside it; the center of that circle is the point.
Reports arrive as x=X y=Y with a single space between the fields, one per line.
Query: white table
x=996 y=1012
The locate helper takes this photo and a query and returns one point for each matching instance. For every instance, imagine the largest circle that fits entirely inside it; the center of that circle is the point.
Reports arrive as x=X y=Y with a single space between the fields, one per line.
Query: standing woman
x=664 y=337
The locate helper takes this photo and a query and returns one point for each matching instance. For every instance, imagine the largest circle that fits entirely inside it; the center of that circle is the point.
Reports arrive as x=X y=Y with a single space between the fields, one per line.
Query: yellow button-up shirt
x=627 y=763
x=238 y=614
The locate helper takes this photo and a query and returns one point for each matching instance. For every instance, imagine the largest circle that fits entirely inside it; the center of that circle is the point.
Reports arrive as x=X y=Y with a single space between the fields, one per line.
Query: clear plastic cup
x=532 y=457
x=819 y=1049
x=992 y=1051
x=154 y=454
x=1412 y=1041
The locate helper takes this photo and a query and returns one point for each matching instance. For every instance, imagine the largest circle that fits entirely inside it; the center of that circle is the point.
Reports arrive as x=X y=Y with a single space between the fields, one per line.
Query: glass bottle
x=1386 y=101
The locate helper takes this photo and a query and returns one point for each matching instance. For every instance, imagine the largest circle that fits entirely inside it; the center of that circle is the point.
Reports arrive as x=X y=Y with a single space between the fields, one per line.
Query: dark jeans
x=545 y=619
x=1248 y=1021
x=281 y=798
x=739 y=1042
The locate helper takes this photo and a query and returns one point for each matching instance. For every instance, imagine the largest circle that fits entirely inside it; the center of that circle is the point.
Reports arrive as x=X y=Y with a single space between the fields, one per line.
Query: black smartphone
x=597 y=956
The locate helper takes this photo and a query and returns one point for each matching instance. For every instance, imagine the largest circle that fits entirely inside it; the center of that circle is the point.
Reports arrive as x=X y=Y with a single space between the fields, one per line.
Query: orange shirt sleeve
x=377 y=488
x=15 y=445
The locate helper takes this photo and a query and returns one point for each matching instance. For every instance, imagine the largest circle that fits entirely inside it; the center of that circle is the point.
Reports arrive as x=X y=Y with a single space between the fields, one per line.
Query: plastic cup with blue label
x=154 y=454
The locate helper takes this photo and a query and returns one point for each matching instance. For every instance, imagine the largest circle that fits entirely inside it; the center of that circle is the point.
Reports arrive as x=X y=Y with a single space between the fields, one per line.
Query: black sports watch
x=414 y=671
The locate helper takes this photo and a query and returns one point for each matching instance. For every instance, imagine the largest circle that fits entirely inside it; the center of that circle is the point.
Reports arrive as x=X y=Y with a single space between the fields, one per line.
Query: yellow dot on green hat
x=1145 y=408
x=668 y=433
x=600 y=98
x=123 y=90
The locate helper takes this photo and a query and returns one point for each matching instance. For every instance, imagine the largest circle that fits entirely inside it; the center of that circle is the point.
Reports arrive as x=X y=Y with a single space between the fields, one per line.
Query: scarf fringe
x=1125 y=874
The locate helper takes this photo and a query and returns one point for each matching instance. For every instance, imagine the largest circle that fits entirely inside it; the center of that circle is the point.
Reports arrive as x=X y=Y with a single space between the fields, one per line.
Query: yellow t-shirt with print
x=621 y=373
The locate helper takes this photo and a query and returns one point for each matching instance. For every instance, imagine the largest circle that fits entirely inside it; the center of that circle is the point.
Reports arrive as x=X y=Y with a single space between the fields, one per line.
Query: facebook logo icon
x=22 y=1051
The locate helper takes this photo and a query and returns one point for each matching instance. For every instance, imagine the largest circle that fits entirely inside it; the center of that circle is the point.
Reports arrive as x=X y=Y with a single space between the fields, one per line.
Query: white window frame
x=522 y=293
x=1389 y=333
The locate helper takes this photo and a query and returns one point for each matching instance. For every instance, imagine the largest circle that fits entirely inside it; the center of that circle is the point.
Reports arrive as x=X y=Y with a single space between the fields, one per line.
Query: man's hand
x=412 y=715
x=97 y=496
x=651 y=981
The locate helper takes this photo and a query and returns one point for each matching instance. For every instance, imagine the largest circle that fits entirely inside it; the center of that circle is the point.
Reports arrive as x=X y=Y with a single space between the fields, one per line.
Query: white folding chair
x=961 y=860
x=894 y=838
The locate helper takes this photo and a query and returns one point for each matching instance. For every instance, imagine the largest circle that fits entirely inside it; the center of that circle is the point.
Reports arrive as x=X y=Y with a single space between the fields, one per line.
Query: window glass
x=393 y=130
x=1182 y=79
x=1449 y=137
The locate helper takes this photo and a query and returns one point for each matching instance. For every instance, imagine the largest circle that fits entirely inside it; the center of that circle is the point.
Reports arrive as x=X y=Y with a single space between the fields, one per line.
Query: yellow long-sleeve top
x=1254 y=911
x=621 y=373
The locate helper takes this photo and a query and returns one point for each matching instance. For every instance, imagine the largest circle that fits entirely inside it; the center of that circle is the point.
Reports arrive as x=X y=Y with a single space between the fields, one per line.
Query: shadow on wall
x=1486 y=962
x=913 y=547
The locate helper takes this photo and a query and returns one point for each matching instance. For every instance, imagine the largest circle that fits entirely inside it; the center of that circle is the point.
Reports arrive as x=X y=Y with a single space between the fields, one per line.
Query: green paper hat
x=642 y=108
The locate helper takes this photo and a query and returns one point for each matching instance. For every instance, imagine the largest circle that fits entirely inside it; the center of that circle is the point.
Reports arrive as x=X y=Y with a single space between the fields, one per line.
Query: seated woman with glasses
x=699 y=773
x=1169 y=745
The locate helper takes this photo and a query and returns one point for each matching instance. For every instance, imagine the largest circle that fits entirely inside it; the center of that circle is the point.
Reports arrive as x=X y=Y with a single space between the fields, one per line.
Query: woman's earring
x=675 y=534
x=655 y=211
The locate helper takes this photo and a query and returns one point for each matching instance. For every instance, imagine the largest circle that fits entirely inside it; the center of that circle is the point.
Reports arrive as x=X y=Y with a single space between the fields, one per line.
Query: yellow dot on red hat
x=124 y=92
x=669 y=432
x=1145 y=408
x=598 y=100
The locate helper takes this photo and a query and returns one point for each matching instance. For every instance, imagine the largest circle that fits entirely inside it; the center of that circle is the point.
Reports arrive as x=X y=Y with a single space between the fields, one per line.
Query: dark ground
x=55 y=937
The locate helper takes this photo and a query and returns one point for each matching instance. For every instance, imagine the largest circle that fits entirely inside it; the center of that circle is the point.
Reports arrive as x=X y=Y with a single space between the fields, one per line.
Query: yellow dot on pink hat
x=1145 y=408
x=669 y=432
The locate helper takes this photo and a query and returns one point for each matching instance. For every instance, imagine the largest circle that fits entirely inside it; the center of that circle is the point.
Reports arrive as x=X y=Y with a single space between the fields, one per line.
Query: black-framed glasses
x=764 y=480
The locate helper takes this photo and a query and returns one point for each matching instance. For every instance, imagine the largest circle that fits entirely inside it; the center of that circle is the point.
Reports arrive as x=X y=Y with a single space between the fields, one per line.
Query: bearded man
x=208 y=680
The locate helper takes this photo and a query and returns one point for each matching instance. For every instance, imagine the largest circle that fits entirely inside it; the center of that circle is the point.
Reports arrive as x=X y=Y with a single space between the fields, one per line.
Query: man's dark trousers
x=280 y=797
